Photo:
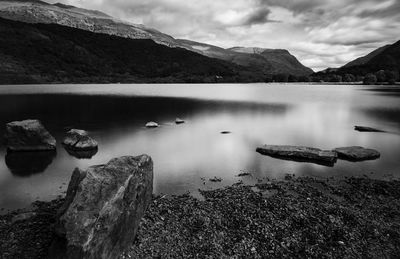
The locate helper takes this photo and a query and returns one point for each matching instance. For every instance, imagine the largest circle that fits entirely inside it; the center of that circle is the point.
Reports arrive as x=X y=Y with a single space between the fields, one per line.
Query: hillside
x=365 y=59
x=385 y=58
x=50 y=53
x=34 y=11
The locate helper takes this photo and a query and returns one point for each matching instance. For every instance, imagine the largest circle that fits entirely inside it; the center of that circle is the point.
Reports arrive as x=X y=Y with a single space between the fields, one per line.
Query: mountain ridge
x=32 y=11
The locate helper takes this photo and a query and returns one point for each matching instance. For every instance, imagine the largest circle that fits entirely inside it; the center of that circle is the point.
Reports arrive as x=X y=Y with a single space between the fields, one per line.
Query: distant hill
x=268 y=61
x=384 y=58
x=363 y=60
x=50 y=53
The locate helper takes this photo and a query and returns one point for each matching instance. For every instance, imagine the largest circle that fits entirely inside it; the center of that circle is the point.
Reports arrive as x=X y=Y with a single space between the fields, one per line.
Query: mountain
x=267 y=61
x=51 y=53
x=363 y=60
x=35 y=11
x=384 y=58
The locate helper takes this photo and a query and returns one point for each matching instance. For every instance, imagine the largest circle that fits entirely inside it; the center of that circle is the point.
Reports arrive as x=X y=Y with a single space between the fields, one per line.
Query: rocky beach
x=295 y=217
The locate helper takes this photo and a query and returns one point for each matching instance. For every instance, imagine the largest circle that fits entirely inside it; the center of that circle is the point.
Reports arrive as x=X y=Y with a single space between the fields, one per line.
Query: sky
x=320 y=33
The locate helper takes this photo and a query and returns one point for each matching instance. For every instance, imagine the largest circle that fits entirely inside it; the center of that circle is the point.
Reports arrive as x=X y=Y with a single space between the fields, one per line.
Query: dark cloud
x=259 y=16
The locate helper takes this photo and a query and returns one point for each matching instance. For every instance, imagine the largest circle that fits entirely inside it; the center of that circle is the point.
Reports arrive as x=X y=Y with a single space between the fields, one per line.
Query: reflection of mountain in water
x=87 y=154
x=25 y=164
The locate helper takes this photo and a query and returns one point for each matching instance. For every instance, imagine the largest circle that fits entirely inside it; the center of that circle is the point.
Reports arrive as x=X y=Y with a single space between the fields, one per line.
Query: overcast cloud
x=321 y=33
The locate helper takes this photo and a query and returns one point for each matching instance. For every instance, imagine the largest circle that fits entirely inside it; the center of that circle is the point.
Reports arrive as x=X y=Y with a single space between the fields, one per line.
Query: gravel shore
x=297 y=217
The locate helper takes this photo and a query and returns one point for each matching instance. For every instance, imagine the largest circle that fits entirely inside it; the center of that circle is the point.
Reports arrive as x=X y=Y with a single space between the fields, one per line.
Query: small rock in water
x=79 y=140
x=152 y=124
x=366 y=129
x=215 y=179
x=226 y=132
x=300 y=154
x=179 y=121
x=357 y=153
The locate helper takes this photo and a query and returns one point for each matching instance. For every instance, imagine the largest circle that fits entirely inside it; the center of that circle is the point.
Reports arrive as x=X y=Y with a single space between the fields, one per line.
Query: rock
x=103 y=208
x=300 y=154
x=28 y=135
x=79 y=140
x=366 y=129
x=179 y=121
x=215 y=179
x=23 y=216
x=152 y=124
x=357 y=153
x=225 y=132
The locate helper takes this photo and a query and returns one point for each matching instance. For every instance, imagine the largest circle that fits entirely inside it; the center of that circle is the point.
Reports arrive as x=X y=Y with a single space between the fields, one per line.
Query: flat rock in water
x=299 y=153
x=103 y=208
x=28 y=135
x=366 y=129
x=152 y=124
x=357 y=153
x=179 y=121
x=79 y=140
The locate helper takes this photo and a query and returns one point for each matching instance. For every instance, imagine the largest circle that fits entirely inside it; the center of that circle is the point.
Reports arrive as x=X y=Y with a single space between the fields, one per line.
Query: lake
x=187 y=155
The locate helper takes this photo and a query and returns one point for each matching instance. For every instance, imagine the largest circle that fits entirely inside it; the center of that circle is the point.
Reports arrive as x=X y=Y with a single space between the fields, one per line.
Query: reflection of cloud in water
x=28 y=163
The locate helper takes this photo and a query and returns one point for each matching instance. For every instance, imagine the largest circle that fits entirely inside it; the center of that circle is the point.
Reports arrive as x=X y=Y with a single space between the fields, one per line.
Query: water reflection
x=24 y=164
x=85 y=154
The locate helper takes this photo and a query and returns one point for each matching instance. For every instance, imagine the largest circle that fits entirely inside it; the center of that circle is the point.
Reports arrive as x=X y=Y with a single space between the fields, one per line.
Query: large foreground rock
x=357 y=153
x=103 y=207
x=300 y=153
x=28 y=135
x=79 y=140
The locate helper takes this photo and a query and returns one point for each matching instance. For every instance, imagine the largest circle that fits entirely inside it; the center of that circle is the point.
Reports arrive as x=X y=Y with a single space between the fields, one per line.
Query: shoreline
x=295 y=217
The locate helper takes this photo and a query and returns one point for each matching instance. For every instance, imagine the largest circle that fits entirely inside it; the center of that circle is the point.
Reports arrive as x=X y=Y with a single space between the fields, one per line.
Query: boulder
x=357 y=153
x=179 y=121
x=79 y=140
x=300 y=154
x=152 y=124
x=28 y=135
x=366 y=129
x=103 y=208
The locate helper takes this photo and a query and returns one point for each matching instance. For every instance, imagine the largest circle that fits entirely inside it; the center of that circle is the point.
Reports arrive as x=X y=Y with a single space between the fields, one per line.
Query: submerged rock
x=179 y=121
x=366 y=129
x=79 y=140
x=103 y=208
x=300 y=154
x=28 y=135
x=152 y=124
x=357 y=153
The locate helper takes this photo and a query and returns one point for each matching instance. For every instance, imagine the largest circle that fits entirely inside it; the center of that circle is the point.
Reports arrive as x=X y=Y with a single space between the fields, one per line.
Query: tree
x=370 y=79
x=391 y=77
x=349 y=78
x=380 y=76
x=281 y=78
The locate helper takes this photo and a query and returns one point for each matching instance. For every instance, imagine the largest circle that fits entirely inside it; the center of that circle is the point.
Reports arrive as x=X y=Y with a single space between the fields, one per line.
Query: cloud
x=321 y=34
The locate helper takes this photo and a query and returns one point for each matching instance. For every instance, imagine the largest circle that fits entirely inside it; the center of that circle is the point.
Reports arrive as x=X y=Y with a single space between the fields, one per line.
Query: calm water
x=256 y=114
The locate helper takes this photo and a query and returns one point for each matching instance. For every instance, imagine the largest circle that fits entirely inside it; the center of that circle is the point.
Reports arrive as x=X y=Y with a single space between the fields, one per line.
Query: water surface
x=321 y=116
